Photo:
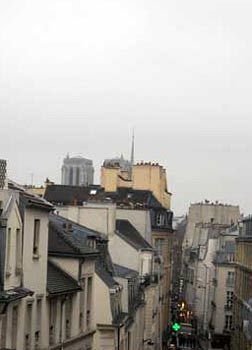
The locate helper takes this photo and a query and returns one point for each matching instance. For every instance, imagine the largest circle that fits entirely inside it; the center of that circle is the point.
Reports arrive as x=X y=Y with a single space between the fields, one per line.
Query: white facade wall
x=99 y=217
x=12 y=276
x=102 y=311
x=35 y=267
x=204 y=213
x=140 y=219
x=70 y=265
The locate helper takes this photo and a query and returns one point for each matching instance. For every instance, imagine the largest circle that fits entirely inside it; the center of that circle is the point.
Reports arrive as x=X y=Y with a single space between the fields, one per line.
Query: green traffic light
x=176 y=327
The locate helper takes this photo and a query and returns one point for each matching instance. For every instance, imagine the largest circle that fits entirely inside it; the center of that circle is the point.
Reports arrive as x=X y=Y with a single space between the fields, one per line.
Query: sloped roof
x=64 y=242
x=124 y=272
x=14 y=294
x=130 y=234
x=28 y=199
x=141 y=198
x=59 y=282
x=68 y=195
x=105 y=275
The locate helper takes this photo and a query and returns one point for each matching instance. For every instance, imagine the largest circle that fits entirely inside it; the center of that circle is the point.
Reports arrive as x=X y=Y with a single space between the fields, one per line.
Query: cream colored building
x=24 y=233
x=145 y=207
x=143 y=176
x=129 y=249
x=242 y=320
x=205 y=225
x=221 y=322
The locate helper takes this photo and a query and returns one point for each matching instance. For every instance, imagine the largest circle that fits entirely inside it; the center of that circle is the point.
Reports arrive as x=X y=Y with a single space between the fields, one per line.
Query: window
x=68 y=317
x=18 y=251
x=14 y=327
x=230 y=277
x=228 y=322
x=89 y=301
x=230 y=297
x=159 y=245
x=159 y=219
x=52 y=321
x=36 y=237
x=8 y=252
x=82 y=305
x=38 y=324
x=231 y=257
x=28 y=320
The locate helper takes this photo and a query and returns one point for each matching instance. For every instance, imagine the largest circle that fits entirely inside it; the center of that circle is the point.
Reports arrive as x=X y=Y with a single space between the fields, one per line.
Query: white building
x=222 y=319
x=206 y=222
x=130 y=250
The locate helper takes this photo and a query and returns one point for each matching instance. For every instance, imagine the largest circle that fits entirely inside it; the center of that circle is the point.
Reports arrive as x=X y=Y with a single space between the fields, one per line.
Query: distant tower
x=77 y=171
x=132 y=153
x=3 y=173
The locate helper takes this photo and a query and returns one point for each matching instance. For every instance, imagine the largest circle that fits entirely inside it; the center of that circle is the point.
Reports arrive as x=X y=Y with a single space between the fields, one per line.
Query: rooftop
x=124 y=272
x=67 y=239
x=130 y=234
x=59 y=282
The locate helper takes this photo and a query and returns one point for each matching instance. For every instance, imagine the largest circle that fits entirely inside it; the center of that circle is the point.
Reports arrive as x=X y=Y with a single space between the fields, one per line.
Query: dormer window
x=160 y=219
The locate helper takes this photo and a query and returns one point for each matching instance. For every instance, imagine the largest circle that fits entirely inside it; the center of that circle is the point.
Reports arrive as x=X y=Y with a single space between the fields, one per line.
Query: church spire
x=132 y=149
x=132 y=154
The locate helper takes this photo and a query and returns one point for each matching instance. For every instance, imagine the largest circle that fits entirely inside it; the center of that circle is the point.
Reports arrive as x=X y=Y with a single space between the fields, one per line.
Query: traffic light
x=176 y=327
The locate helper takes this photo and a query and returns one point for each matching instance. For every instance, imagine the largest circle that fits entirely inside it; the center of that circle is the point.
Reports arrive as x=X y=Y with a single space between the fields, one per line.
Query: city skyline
x=178 y=72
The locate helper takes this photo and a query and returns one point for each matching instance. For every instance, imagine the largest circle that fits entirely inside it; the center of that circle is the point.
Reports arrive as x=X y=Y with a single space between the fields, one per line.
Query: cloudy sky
x=77 y=75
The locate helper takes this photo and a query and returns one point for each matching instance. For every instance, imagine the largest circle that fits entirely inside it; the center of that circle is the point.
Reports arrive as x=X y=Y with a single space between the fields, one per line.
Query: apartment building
x=23 y=301
x=135 y=200
x=221 y=322
x=200 y=246
x=242 y=321
x=128 y=249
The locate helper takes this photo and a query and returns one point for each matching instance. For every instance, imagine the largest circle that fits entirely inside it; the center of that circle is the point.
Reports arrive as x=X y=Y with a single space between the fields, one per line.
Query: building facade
x=143 y=176
x=242 y=322
x=205 y=224
x=77 y=171
x=221 y=322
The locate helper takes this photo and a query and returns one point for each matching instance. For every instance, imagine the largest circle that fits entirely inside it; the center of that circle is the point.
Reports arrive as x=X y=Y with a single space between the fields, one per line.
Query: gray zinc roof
x=129 y=233
x=124 y=272
x=59 y=282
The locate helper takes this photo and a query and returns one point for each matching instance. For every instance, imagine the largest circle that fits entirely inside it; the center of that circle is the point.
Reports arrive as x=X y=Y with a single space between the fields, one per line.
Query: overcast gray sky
x=77 y=75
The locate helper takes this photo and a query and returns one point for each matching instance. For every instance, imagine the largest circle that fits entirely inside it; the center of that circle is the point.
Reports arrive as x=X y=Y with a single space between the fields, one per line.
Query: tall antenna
x=132 y=149
x=132 y=153
x=32 y=176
